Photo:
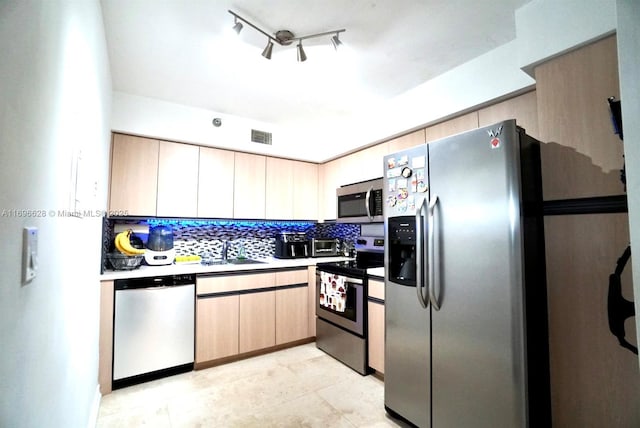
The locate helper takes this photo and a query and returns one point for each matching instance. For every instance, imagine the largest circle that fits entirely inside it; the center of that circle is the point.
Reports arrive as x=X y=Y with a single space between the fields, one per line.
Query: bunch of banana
x=124 y=245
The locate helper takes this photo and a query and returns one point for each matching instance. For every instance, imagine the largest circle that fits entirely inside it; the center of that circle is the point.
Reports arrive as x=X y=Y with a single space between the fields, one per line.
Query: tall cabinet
x=134 y=175
x=594 y=381
x=249 y=186
x=177 y=180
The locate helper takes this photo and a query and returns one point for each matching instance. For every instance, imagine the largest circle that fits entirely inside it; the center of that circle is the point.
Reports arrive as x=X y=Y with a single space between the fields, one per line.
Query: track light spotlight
x=335 y=41
x=301 y=55
x=237 y=27
x=285 y=37
x=267 y=50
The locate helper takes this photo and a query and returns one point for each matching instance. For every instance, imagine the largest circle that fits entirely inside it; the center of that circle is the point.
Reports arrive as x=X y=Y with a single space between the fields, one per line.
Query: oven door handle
x=348 y=279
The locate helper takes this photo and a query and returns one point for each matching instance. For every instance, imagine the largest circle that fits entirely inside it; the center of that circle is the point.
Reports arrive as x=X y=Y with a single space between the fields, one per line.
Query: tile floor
x=295 y=387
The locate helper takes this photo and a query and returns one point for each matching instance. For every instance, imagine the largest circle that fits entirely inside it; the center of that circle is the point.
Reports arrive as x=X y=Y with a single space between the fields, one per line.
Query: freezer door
x=406 y=374
x=478 y=363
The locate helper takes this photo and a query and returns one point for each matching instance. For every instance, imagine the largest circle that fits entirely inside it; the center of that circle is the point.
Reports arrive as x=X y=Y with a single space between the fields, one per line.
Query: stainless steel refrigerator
x=465 y=296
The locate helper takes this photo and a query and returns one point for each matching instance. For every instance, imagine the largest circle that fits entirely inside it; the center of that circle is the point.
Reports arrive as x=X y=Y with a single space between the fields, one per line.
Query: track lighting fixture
x=237 y=27
x=335 y=41
x=267 y=50
x=285 y=37
x=301 y=55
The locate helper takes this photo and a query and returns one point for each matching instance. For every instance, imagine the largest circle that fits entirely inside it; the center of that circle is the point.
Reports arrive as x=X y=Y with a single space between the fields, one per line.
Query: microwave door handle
x=367 y=202
x=419 y=250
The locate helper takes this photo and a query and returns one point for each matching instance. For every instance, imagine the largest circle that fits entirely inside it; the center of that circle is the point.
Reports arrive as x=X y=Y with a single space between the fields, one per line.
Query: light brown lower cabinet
x=217 y=327
x=292 y=314
x=241 y=313
x=376 y=336
x=257 y=320
x=375 y=331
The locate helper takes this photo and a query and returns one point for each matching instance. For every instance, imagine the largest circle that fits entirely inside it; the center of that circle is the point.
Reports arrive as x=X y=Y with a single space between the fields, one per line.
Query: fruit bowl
x=121 y=261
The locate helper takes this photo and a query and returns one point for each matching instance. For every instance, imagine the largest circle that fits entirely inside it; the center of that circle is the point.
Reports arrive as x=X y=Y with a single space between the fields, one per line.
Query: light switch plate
x=29 y=253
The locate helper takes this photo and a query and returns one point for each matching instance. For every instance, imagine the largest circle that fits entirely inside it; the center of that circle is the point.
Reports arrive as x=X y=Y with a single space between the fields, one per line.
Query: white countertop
x=178 y=269
x=379 y=271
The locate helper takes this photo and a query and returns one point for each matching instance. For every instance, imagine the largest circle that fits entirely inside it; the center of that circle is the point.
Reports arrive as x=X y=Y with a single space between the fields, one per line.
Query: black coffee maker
x=292 y=245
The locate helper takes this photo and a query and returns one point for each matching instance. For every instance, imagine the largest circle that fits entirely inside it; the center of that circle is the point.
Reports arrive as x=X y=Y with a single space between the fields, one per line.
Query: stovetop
x=370 y=254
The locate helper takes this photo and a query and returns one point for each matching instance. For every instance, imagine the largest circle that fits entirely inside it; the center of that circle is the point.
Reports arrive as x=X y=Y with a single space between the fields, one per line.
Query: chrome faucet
x=225 y=249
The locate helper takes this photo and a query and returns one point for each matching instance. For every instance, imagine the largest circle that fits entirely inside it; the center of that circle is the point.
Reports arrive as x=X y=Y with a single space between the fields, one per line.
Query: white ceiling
x=181 y=51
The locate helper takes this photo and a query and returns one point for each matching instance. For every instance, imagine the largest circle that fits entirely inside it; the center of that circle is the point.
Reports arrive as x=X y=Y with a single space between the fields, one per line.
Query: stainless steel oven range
x=341 y=309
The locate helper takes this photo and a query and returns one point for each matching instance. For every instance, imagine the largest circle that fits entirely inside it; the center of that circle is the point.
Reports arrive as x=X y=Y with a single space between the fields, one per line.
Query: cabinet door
x=406 y=141
x=376 y=336
x=452 y=126
x=216 y=327
x=329 y=182
x=215 y=183
x=582 y=156
x=523 y=108
x=257 y=320
x=311 y=278
x=292 y=314
x=177 y=180
x=134 y=175
x=364 y=165
x=305 y=191
x=249 y=186
x=279 y=189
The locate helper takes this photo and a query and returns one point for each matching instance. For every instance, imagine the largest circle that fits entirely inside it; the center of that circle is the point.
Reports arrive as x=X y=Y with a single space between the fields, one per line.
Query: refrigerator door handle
x=431 y=254
x=419 y=257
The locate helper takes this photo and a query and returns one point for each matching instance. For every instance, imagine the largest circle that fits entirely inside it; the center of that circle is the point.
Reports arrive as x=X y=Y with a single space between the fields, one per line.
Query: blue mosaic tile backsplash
x=257 y=237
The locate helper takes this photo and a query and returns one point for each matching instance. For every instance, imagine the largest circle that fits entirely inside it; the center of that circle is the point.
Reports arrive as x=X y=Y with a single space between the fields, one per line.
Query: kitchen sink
x=243 y=261
x=236 y=262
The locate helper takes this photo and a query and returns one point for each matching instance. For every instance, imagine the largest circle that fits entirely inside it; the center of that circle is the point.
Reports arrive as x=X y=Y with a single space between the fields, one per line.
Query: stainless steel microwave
x=360 y=202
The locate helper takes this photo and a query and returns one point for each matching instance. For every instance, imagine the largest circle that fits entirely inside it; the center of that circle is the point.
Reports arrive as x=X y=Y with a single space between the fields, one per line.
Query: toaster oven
x=324 y=247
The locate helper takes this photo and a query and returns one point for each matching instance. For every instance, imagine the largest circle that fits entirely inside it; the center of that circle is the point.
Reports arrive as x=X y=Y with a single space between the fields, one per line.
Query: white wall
x=628 y=12
x=544 y=29
x=56 y=96
x=548 y=28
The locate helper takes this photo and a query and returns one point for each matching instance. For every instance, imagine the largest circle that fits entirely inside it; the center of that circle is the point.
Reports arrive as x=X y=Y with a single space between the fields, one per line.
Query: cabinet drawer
x=376 y=289
x=290 y=277
x=226 y=283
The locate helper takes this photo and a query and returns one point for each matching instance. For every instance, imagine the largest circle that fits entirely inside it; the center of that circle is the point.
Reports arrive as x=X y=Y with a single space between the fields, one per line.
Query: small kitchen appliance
x=160 y=249
x=292 y=245
x=324 y=247
x=360 y=202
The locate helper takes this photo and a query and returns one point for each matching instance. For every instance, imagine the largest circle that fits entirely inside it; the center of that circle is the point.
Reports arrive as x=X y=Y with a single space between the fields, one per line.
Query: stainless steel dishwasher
x=153 y=334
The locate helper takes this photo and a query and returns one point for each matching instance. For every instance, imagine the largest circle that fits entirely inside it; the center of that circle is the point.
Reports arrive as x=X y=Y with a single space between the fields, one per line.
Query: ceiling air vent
x=261 y=137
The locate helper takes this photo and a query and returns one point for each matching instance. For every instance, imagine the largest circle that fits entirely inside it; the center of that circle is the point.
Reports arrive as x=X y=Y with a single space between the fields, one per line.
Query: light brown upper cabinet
x=305 y=191
x=215 y=183
x=249 y=186
x=279 y=189
x=453 y=126
x=522 y=108
x=365 y=164
x=177 y=180
x=406 y=141
x=329 y=178
x=134 y=175
x=583 y=156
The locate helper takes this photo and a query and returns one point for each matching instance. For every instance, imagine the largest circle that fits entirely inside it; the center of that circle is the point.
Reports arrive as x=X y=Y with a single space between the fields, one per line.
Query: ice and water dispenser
x=401 y=235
